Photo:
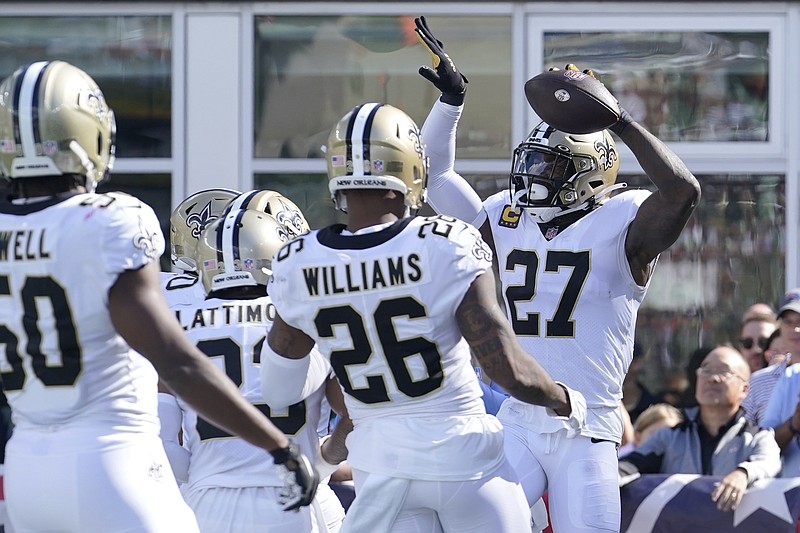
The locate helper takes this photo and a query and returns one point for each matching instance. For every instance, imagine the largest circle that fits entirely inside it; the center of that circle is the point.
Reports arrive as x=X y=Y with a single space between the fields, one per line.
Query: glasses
x=747 y=342
x=724 y=375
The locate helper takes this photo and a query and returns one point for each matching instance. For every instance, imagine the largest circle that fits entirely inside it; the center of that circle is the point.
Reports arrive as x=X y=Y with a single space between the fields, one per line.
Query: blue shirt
x=780 y=408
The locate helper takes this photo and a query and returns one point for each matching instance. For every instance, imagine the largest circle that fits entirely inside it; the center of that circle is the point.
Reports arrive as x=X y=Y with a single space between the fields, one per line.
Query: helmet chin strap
x=340 y=201
x=515 y=199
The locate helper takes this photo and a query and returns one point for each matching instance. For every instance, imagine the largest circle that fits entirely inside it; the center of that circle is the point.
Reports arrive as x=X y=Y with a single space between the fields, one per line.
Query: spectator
x=759 y=309
x=762 y=382
x=715 y=438
x=675 y=387
x=783 y=409
x=776 y=351
x=753 y=336
x=652 y=419
x=627 y=427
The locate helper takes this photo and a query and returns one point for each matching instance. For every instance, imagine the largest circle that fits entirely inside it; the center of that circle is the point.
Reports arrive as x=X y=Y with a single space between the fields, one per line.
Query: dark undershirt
x=708 y=443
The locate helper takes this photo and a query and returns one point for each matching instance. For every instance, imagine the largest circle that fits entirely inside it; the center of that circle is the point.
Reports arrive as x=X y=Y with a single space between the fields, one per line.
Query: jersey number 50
x=67 y=372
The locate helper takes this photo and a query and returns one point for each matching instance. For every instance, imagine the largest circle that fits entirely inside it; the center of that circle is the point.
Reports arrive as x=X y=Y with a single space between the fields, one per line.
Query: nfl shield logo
x=7 y=146
x=550 y=233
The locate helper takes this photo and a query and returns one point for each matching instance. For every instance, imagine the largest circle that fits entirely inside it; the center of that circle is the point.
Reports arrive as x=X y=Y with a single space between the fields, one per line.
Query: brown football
x=572 y=101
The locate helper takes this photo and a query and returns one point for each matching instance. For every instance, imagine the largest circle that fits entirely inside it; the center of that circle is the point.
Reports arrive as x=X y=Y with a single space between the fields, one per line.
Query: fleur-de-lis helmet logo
x=199 y=220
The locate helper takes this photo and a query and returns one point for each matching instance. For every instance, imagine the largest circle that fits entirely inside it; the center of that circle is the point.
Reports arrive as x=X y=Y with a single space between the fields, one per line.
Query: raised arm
x=664 y=214
x=448 y=192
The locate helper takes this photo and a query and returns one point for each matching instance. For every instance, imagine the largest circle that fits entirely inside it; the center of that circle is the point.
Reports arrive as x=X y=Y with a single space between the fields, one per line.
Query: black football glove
x=444 y=75
x=572 y=66
x=300 y=480
x=624 y=117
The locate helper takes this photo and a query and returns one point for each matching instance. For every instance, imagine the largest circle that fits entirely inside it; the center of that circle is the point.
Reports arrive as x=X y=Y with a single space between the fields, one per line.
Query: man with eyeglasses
x=753 y=336
x=715 y=438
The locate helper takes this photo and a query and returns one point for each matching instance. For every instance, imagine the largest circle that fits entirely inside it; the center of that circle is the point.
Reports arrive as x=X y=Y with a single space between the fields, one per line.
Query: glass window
x=730 y=255
x=308 y=191
x=129 y=57
x=309 y=71
x=683 y=86
x=152 y=189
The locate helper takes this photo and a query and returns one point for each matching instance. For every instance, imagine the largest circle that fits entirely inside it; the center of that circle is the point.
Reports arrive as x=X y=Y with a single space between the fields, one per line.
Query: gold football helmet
x=273 y=203
x=188 y=220
x=377 y=146
x=54 y=121
x=554 y=173
x=236 y=250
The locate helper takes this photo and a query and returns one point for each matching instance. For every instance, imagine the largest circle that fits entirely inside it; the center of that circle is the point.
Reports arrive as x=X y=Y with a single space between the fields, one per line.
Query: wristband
x=324 y=468
x=622 y=123
x=281 y=455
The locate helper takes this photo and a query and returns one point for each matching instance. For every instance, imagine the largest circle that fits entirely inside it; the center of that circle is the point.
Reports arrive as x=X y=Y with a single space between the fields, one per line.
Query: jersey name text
x=225 y=315
x=362 y=276
x=23 y=245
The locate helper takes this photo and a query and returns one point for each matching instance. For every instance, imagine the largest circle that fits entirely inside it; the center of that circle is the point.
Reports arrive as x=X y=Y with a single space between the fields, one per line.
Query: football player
x=396 y=302
x=182 y=286
x=574 y=265
x=185 y=289
x=230 y=486
x=86 y=328
x=283 y=210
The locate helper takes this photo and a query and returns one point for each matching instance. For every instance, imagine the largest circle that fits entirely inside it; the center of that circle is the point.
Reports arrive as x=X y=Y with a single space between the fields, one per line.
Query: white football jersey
x=63 y=361
x=231 y=333
x=572 y=300
x=182 y=288
x=381 y=306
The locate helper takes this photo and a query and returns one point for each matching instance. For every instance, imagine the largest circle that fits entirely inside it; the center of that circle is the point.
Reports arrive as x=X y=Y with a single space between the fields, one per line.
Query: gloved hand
x=577 y=417
x=300 y=480
x=624 y=117
x=444 y=75
x=572 y=66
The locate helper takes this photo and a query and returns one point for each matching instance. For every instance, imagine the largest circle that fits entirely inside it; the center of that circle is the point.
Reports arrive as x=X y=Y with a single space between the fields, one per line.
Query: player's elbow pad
x=282 y=379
